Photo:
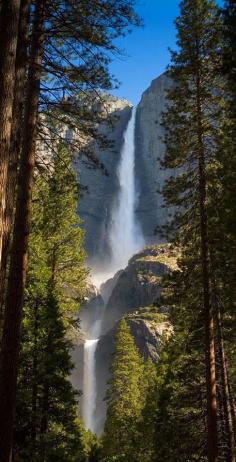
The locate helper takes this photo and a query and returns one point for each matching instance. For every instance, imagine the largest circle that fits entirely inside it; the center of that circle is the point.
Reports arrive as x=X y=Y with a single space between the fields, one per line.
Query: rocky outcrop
x=140 y=283
x=137 y=288
x=149 y=326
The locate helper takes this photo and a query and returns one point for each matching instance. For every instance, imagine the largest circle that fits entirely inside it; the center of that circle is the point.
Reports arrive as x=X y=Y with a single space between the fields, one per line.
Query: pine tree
x=15 y=141
x=73 y=44
x=9 y=14
x=191 y=123
x=181 y=396
x=48 y=427
x=47 y=423
x=124 y=399
x=145 y=449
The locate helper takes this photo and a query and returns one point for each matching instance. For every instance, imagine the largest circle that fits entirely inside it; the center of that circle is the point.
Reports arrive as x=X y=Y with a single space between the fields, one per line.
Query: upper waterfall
x=125 y=234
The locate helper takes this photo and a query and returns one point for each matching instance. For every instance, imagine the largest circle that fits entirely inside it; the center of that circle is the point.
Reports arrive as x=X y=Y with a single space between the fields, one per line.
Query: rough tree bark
x=35 y=375
x=16 y=137
x=9 y=20
x=18 y=262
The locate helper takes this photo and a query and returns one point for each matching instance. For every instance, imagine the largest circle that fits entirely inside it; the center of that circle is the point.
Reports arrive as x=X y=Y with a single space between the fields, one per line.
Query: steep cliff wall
x=95 y=205
x=149 y=152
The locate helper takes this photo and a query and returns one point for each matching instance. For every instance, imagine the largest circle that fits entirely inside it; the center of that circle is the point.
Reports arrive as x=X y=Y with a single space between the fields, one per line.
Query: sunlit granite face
x=149 y=153
x=96 y=203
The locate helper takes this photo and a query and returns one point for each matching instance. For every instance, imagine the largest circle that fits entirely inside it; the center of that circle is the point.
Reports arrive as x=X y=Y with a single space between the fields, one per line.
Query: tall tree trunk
x=232 y=407
x=44 y=420
x=225 y=391
x=9 y=20
x=16 y=138
x=223 y=387
x=18 y=263
x=212 y=443
x=35 y=376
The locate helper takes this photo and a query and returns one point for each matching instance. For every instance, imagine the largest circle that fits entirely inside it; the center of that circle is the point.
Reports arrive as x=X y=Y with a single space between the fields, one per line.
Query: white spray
x=89 y=385
x=125 y=235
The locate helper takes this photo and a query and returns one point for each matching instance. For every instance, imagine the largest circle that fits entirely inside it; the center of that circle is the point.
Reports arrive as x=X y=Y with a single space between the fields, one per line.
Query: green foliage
x=149 y=313
x=227 y=215
x=81 y=40
x=48 y=426
x=192 y=123
x=129 y=433
x=124 y=398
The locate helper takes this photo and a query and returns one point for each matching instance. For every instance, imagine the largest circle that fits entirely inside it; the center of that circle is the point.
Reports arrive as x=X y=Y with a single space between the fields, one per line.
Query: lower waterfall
x=89 y=388
x=125 y=239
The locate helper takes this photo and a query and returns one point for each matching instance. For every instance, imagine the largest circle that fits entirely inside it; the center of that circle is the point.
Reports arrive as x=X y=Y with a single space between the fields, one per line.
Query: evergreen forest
x=178 y=403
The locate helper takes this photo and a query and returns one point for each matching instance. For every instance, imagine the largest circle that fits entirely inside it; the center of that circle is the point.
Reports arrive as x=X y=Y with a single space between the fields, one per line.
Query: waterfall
x=125 y=239
x=89 y=385
x=125 y=235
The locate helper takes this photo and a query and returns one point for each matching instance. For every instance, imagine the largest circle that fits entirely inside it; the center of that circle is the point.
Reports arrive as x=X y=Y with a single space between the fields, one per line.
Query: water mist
x=125 y=235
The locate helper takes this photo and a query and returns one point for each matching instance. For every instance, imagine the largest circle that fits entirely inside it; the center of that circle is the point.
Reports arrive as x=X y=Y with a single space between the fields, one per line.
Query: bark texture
x=19 y=254
x=9 y=20
x=16 y=138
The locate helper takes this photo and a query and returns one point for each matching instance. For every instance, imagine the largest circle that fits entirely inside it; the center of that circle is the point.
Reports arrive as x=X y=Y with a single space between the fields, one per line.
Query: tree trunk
x=9 y=21
x=232 y=407
x=44 y=420
x=35 y=376
x=212 y=444
x=18 y=263
x=16 y=138
x=225 y=392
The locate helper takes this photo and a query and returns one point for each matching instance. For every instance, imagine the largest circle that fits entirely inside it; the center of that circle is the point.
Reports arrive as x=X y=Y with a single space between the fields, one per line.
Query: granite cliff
x=95 y=205
x=96 y=201
x=133 y=292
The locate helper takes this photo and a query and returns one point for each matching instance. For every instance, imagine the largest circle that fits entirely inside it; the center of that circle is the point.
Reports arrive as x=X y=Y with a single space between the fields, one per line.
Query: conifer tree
x=15 y=140
x=47 y=423
x=181 y=396
x=145 y=447
x=87 y=41
x=124 y=399
x=9 y=14
x=191 y=145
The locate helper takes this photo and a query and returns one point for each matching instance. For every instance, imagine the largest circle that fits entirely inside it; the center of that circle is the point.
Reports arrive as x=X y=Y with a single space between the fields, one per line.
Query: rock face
x=148 y=329
x=133 y=293
x=95 y=205
x=149 y=152
x=140 y=283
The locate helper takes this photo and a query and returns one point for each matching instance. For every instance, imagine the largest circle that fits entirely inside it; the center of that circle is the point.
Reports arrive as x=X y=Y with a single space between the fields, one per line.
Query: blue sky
x=146 y=48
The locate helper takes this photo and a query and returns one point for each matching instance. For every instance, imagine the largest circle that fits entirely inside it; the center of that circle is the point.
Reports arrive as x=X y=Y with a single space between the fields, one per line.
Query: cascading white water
x=89 y=385
x=125 y=235
x=125 y=239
